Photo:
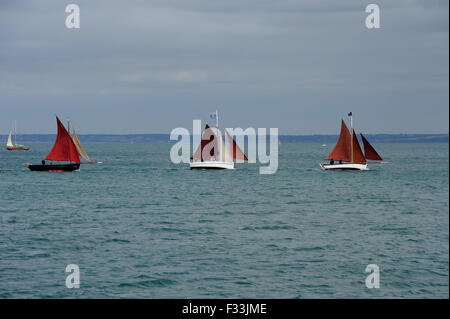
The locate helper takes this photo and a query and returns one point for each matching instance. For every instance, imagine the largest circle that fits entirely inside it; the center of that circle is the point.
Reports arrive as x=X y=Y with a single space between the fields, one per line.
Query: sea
x=140 y=226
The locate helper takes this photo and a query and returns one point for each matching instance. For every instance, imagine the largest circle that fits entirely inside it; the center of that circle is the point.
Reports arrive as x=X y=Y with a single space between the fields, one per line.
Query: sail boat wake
x=10 y=146
x=348 y=150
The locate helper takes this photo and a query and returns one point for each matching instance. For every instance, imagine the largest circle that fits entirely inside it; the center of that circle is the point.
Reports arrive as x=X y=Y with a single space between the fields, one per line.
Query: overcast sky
x=150 y=66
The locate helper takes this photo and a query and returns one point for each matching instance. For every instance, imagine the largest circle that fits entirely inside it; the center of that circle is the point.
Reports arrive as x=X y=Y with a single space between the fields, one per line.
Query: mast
x=68 y=130
x=351 y=134
x=219 y=137
x=15 y=134
x=217 y=120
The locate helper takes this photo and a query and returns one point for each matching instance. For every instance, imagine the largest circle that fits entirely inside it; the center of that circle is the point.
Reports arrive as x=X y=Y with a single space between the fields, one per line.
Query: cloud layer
x=150 y=66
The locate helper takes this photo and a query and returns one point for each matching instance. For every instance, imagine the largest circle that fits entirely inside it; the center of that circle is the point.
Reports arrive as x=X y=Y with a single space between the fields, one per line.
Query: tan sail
x=79 y=147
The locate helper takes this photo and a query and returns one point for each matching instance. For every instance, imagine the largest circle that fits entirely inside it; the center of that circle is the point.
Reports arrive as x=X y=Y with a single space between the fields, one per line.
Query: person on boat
x=43 y=162
x=340 y=161
x=331 y=161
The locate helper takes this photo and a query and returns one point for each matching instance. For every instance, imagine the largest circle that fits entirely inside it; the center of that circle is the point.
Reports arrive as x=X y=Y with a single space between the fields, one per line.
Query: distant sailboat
x=10 y=146
x=64 y=150
x=348 y=150
x=212 y=152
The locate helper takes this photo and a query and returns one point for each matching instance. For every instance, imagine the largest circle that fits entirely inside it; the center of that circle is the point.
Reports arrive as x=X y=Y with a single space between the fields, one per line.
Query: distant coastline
x=164 y=138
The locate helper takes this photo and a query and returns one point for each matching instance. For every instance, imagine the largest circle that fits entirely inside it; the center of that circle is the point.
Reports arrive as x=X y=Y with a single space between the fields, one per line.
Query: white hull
x=345 y=166
x=211 y=165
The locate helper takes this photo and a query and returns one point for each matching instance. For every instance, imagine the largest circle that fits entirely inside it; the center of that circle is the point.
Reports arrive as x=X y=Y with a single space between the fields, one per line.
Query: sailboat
x=64 y=150
x=212 y=152
x=10 y=146
x=348 y=150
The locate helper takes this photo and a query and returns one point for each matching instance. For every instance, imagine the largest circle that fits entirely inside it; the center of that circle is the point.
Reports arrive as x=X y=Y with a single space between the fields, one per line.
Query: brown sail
x=342 y=150
x=236 y=152
x=207 y=137
x=358 y=156
x=369 y=151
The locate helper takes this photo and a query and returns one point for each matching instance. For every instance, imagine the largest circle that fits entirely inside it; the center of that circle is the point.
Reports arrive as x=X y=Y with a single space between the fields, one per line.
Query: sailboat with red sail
x=64 y=150
x=347 y=154
x=212 y=152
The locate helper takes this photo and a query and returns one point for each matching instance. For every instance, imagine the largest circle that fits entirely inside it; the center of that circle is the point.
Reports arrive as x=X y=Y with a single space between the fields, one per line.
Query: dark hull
x=17 y=148
x=55 y=167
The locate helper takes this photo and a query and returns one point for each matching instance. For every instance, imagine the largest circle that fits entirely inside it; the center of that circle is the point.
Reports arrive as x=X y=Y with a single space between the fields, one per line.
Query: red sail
x=369 y=151
x=358 y=156
x=236 y=152
x=64 y=148
x=342 y=150
x=207 y=137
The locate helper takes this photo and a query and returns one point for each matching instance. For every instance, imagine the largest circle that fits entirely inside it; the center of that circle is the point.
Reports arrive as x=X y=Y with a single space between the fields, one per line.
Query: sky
x=144 y=66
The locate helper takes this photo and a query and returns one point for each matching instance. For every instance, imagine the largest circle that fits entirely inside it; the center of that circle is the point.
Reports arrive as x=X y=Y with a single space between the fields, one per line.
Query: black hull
x=55 y=167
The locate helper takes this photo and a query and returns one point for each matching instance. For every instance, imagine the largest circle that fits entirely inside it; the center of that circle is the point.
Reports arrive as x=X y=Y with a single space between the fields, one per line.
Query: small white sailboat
x=10 y=146
x=212 y=152
x=348 y=152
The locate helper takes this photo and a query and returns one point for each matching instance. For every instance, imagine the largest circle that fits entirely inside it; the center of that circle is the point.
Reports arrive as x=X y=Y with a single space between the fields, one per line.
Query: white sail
x=9 y=143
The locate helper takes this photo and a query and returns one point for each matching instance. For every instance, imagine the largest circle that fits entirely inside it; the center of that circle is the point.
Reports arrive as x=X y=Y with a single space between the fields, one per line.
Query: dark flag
x=350 y=114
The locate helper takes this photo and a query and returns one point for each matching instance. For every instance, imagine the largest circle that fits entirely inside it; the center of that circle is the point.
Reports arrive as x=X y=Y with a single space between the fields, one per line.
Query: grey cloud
x=297 y=65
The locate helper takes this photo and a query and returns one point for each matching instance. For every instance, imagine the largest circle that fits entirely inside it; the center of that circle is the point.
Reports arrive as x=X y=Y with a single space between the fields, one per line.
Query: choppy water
x=140 y=226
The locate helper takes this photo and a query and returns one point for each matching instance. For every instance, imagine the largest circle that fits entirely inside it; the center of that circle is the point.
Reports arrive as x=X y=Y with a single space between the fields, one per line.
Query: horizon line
x=310 y=134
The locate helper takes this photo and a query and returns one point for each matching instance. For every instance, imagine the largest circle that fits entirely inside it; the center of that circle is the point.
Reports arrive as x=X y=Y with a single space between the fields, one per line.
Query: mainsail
x=79 y=147
x=369 y=151
x=236 y=152
x=9 y=143
x=342 y=150
x=358 y=156
x=64 y=148
x=207 y=143
x=209 y=148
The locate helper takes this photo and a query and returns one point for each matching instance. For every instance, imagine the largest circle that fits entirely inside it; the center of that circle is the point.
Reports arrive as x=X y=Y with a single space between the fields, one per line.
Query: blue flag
x=212 y=115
